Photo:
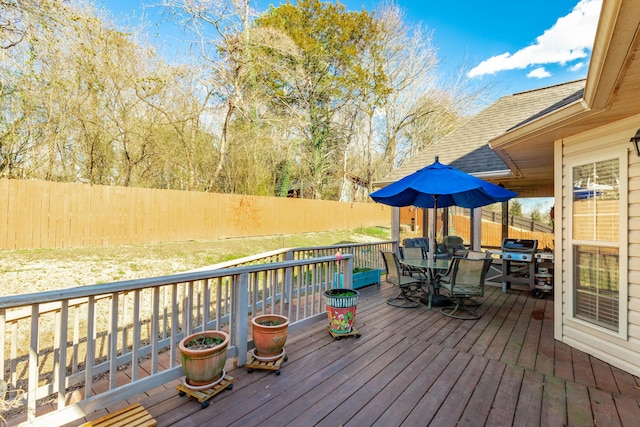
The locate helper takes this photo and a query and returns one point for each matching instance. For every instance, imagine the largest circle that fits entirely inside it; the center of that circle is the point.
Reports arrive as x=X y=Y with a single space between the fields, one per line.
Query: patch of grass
x=381 y=232
x=230 y=257
x=47 y=269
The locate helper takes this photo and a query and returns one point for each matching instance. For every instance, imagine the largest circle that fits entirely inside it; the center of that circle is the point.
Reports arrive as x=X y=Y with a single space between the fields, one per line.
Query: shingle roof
x=576 y=96
x=467 y=148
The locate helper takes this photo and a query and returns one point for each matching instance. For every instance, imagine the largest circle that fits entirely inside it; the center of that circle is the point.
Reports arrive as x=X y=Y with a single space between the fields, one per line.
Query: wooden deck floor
x=416 y=367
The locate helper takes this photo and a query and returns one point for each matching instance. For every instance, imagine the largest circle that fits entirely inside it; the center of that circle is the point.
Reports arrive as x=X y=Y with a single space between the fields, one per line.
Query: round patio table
x=430 y=267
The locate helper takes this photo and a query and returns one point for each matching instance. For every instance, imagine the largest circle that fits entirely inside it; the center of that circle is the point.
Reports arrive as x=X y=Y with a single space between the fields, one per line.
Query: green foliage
x=332 y=44
x=535 y=215
x=203 y=342
x=515 y=208
x=283 y=179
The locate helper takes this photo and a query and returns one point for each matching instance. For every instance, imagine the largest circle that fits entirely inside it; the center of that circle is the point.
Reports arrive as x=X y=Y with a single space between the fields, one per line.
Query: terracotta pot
x=269 y=333
x=204 y=366
x=341 y=307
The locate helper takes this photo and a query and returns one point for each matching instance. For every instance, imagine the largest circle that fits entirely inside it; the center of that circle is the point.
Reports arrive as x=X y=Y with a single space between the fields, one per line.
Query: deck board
x=628 y=410
x=355 y=391
x=529 y=404
x=416 y=367
x=414 y=392
x=426 y=408
x=546 y=346
x=504 y=404
x=453 y=406
x=527 y=358
x=502 y=336
x=375 y=407
x=515 y=344
x=579 y=412
x=554 y=403
x=604 y=408
x=582 y=369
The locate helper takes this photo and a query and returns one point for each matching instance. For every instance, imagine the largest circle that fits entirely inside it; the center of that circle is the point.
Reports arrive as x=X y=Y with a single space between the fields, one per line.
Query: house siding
x=620 y=349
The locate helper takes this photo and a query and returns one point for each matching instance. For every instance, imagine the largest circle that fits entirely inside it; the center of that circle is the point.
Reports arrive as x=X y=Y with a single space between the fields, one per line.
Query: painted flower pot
x=269 y=332
x=202 y=359
x=341 y=309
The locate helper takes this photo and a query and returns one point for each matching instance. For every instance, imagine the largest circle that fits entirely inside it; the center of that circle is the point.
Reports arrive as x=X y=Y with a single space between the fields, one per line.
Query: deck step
x=131 y=416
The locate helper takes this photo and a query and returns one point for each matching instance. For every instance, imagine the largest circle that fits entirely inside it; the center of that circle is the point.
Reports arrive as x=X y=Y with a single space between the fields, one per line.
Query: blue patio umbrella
x=439 y=186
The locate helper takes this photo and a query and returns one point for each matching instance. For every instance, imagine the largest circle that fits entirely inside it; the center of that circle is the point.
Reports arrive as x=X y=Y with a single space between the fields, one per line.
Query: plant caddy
x=269 y=333
x=203 y=357
x=341 y=306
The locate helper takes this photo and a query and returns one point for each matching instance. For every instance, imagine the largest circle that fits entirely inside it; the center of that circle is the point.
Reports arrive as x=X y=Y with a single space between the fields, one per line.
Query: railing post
x=347 y=273
x=239 y=321
x=288 y=277
x=32 y=392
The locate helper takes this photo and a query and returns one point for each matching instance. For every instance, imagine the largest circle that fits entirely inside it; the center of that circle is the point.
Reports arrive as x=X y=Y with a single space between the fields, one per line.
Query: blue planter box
x=362 y=279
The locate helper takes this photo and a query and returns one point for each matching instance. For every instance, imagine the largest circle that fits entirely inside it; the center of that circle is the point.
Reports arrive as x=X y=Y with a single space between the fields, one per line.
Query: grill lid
x=519 y=245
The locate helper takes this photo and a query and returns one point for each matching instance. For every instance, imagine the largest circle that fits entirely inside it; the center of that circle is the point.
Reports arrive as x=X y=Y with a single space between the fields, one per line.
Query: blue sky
x=516 y=45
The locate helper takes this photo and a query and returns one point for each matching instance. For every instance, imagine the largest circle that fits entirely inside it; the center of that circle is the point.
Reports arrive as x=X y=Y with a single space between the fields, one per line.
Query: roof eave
x=571 y=114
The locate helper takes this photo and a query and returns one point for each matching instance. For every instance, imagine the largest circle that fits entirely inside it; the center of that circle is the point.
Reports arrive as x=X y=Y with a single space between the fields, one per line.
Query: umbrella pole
x=432 y=229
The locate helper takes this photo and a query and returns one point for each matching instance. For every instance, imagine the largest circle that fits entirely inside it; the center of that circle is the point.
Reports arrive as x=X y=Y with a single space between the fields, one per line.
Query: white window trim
x=578 y=159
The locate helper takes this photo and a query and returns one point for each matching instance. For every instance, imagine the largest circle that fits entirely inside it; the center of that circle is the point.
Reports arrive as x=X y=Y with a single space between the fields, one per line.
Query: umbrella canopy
x=440 y=186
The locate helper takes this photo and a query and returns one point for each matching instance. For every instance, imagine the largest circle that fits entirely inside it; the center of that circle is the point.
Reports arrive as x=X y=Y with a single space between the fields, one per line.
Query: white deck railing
x=58 y=344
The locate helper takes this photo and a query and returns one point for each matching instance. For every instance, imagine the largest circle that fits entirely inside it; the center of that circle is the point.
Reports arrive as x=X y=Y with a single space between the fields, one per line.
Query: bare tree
x=234 y=58
x=410 y=64
x=217 y=24
x=24 y=19
x=26 y=29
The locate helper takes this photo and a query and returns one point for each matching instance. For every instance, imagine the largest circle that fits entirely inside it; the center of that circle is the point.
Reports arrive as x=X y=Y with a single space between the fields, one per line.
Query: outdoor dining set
x=459 y=272
x=420 y=279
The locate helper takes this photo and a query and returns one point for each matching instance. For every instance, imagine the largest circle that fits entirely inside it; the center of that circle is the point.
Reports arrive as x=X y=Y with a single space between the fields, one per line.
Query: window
x=596 y=240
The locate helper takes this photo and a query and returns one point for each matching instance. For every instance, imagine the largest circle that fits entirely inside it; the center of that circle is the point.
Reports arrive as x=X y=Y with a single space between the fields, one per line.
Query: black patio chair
x=464 y=282
x=454 y=246
x=412 y=253
x=409 y=286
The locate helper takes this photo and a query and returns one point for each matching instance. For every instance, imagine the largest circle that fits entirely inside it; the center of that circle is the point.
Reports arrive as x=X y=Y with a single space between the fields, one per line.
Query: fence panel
x=39 y=214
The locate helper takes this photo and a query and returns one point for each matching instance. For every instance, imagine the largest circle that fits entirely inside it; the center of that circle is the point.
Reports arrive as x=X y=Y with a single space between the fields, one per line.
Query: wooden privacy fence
x=460 y=225
x=41 y=214
x=492 y=233
x=412 y=216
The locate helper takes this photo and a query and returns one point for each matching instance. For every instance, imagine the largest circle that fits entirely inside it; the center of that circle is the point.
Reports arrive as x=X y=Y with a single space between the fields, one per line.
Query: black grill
x=518 y=266
x=519 y=249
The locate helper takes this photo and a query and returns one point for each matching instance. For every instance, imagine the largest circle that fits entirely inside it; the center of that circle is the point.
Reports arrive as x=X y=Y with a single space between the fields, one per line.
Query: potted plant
x=203 y=357
x=341 y=309
x=269 y=332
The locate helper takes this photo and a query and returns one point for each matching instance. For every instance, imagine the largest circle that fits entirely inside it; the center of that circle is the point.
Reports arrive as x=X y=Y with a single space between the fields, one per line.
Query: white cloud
x=570 y=38
x=577 y=67
x=539 y=73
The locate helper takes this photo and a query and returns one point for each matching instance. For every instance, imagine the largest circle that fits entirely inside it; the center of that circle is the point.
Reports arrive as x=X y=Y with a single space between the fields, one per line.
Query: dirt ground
x=28 y=271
